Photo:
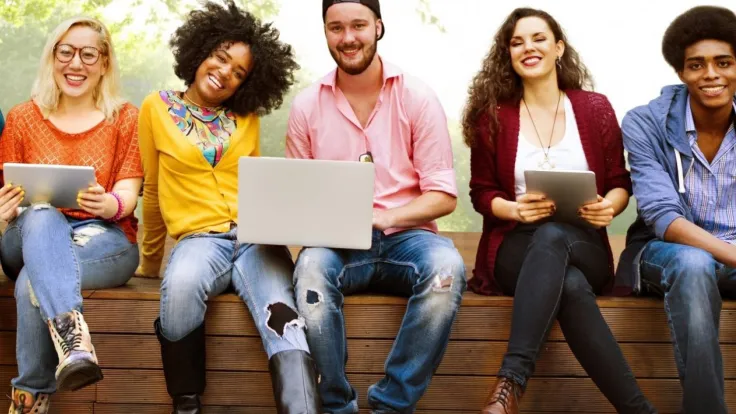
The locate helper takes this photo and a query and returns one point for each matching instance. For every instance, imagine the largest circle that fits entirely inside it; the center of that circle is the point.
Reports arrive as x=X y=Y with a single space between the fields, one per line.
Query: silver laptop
x=57 y=185
x=313 y=203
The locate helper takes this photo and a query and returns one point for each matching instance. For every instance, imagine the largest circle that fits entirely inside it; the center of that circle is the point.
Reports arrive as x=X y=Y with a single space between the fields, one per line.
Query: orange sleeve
x=11 y=142
x=131 y=166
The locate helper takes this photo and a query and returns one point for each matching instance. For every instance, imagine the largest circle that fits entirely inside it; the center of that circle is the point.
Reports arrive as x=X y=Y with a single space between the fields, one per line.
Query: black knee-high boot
x=294 y=378
x=184 y=369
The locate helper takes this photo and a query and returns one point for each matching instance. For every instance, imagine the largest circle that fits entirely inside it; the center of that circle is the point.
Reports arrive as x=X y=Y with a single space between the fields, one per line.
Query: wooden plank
x=482 y=323
x=445 y=392
x=166 y=409
x=148 y=289
x=369 y=355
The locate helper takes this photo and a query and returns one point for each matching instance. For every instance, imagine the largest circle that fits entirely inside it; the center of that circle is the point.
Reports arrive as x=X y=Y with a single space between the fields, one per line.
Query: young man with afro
x=682 y=153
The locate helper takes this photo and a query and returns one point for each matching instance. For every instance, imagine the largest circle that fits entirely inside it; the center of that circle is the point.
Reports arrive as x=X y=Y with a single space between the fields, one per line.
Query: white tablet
x=570 y=190
x=57 y=185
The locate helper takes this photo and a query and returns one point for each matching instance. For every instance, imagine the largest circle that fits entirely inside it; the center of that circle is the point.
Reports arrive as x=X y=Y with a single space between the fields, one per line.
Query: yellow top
x=182 y=193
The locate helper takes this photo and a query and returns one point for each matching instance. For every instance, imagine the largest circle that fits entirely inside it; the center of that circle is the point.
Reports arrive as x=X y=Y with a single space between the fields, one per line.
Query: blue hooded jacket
x=659 y=155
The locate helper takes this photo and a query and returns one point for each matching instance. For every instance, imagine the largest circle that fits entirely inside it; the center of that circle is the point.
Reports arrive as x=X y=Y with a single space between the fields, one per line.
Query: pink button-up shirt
x=406 y=137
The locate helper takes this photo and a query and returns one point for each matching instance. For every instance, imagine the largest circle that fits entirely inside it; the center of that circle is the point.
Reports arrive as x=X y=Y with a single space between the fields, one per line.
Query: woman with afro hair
x=235 y=70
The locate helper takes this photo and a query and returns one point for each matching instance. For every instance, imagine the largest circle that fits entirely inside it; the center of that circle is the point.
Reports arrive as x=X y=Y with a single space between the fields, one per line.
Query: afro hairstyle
x=273 y=61
x=696 y=24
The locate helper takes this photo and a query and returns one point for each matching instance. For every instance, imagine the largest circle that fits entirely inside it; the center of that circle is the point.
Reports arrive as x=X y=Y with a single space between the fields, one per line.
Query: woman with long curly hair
x=235 y=69
x=528 y=110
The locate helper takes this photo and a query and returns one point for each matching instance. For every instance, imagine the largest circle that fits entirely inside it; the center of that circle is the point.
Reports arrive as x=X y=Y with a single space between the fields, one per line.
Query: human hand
x=533 y=207
x=96 y=201
x=599 y=214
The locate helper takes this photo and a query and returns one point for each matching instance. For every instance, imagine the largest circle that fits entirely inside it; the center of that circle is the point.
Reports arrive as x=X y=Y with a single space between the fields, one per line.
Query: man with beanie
x=682 y=152
x=369 y=110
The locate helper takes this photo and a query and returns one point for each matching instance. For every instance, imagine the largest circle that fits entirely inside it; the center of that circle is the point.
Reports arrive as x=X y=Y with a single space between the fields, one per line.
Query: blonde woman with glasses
x=75 y=117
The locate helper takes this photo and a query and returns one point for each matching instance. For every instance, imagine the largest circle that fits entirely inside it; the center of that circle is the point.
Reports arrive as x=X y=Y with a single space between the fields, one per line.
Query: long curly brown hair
x=497 y=81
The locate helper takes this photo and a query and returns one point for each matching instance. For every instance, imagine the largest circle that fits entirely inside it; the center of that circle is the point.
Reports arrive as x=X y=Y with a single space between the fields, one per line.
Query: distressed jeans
x=52 y=258
x=204 y=265
x=692 y=282
x=417 y=264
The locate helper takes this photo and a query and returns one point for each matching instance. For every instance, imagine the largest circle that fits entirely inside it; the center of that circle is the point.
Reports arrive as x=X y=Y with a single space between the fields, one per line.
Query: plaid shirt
x=711 y=186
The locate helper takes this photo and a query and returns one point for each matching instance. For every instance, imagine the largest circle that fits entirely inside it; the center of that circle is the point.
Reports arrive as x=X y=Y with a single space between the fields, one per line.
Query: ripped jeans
x=415 y=263
x=204 y=265
x=59 y=256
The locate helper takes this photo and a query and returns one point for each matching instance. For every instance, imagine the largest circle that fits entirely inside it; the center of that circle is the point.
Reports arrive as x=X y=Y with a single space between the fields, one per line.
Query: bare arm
x=423 y=209
x=684 y=232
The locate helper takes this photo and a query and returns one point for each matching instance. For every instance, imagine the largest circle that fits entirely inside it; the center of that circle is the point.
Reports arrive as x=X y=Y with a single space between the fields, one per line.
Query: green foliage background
x=146 y=65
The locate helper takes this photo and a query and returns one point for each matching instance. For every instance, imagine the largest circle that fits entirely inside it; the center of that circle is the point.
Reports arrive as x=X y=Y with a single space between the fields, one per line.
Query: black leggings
x=554 y=271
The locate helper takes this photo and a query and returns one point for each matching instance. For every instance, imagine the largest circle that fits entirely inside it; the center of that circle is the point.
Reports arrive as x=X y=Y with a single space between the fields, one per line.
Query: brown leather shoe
x=504 y=399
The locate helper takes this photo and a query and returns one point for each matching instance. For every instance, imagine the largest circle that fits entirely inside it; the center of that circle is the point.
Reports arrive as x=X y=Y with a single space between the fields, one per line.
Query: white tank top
x=565 y=155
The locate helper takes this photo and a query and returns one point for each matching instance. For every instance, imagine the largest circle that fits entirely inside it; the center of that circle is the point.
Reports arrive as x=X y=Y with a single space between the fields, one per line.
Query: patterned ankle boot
x=78 y=365
x=23 y=402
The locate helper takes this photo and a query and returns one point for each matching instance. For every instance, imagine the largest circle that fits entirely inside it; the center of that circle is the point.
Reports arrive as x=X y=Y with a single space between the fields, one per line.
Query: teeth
x=75 y=78
x=713 y=89
x=214 y=80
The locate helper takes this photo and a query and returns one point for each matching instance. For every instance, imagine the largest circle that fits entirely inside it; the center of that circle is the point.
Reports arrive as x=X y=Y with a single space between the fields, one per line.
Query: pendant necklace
x=545 y=163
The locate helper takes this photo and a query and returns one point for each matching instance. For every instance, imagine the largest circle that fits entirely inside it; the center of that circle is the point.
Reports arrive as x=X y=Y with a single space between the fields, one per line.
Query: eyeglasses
x=64 y=53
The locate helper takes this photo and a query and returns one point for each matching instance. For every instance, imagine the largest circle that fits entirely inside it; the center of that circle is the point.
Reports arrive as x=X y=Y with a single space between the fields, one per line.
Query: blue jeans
x=58 y=256
x=415 y=263
x=692 y=282
x=204 y=265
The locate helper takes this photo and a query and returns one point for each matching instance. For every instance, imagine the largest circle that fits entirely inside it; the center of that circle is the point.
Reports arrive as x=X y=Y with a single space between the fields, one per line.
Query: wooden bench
x=238 y=380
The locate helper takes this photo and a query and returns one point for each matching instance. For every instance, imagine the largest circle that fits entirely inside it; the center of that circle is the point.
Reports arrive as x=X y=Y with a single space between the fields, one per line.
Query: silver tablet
x=57 y=185
x=568 y=189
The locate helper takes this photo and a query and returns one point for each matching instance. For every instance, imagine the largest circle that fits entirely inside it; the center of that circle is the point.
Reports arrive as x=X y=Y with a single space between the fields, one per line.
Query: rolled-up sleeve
x=433 y=159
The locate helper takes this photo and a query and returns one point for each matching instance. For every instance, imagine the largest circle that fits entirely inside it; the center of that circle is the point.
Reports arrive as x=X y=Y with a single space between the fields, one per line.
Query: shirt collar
x=389 y=71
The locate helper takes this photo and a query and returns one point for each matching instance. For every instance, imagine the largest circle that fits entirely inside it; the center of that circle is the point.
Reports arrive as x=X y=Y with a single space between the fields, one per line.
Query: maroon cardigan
x=492 y=163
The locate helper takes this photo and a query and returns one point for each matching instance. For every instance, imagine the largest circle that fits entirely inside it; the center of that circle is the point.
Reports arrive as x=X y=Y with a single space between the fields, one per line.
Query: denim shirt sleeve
x=657 y=199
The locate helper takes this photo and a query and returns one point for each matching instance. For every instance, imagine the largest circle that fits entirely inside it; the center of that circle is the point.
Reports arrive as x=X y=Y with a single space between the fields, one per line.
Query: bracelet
x=121 y=206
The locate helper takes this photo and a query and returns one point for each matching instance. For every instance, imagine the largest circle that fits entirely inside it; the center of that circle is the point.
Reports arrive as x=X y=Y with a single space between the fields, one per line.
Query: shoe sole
x=78 y=375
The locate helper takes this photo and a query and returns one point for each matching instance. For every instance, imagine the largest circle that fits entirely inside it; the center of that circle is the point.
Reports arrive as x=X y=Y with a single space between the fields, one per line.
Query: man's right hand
x=10 y=199
x=533 y=207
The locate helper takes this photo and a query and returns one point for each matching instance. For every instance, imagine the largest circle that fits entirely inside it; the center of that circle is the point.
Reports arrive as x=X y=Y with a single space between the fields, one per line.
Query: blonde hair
x=107 y=98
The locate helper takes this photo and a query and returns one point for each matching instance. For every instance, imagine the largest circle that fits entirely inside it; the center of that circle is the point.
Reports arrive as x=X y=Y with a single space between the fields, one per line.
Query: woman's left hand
x=98 y=202
x=599 y=214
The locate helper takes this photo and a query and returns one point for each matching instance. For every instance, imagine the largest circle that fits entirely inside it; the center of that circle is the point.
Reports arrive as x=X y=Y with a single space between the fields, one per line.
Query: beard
x=354 y=68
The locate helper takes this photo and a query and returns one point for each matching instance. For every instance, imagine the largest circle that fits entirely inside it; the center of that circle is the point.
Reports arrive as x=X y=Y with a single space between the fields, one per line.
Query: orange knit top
x=110 y=147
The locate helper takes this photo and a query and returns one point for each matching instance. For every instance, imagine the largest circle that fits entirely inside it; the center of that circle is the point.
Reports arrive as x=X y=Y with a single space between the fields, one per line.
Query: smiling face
x=533 y=49
x=352 y=32
x=221 y=74
x=710 y=73
x=78 y=62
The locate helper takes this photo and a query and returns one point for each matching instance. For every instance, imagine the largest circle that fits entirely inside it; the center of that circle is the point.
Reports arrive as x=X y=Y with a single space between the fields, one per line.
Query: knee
x=316 y=280
x=444 y=268
x=693 y=271
x=183 y=308
x=551 y=233
x=444 y=281
x=41 y=218
x=317 y=267
x=575 y=285
x=280 y=317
